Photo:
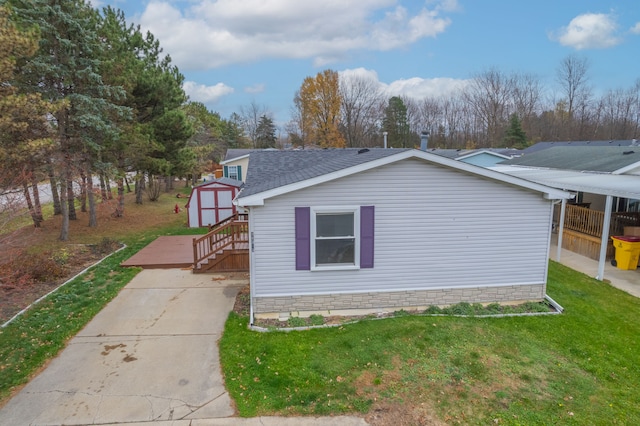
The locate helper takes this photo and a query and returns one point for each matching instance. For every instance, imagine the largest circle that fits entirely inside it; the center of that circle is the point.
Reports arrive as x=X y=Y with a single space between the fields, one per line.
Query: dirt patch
x=15 y=296
x=385 y=413
x=74 y=254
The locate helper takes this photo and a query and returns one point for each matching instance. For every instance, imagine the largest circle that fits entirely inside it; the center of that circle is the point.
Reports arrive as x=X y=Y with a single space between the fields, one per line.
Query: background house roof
x=603 y=159
x=235 y=153
x=465 y=153
x=544 y=145
x=273 y=169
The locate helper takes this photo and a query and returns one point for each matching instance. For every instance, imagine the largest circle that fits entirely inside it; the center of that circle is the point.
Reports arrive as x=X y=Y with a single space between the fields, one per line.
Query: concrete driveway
x=151 y=354
x=149 y=357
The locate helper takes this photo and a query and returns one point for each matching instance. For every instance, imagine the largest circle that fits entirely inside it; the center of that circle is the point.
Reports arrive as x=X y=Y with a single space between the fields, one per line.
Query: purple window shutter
x=303 y=239
x=367 y=224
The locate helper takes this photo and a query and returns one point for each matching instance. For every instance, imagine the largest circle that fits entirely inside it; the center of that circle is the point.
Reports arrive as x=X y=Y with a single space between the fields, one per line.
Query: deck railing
x=232 y=232
x=590 y=222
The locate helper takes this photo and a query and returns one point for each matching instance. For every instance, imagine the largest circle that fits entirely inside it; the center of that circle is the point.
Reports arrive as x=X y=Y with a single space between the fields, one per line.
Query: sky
x=237 y=52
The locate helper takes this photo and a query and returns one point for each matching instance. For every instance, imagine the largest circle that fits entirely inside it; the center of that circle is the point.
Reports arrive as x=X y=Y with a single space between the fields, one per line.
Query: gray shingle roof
x=273 y=169
x=604 y=159
x=236 y=152
x=544 y=145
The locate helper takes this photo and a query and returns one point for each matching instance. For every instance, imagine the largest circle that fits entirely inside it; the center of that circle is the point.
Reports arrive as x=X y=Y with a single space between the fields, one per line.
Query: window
x=328 y=238
x=335 y=240
x=334 y=237
x=232 y=172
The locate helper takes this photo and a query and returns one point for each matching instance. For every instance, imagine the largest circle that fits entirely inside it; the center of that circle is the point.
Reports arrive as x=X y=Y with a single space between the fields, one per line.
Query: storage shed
x=210 y=202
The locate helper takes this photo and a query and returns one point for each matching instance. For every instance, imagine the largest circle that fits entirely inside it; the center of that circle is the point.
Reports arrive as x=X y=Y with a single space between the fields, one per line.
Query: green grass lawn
x=581 y=367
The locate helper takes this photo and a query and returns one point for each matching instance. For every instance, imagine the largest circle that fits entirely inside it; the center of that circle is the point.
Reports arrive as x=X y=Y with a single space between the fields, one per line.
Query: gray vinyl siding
x=434 y=228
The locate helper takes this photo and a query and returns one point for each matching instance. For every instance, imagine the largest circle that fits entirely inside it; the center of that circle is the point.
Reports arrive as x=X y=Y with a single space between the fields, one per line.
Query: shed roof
x=222 y=180
x=603 y=159
x=279 y=172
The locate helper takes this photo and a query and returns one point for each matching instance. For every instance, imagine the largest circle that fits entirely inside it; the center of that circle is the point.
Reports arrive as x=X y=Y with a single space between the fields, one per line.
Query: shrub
x=432 y=310
x=105 y=246
x=316 y=319
x=493 y=308
x=462 y=308
x=27 y=268
x=296 y=322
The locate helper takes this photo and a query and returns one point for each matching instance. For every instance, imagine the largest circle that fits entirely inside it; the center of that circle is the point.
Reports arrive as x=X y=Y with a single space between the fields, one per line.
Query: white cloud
x=636 y=28
x=416 y=87
x=256 y=88
x=589 y=31
x=206 y=94
x=214 y=33
x=420 y=88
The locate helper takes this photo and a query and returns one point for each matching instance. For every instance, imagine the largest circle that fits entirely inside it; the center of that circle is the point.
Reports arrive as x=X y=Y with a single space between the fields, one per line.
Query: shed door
x=215 y=205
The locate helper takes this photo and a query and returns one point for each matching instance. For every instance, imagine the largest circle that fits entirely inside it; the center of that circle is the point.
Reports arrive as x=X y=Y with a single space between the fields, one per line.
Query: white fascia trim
x=258 y=199
x=222 y=163
x=626 y=169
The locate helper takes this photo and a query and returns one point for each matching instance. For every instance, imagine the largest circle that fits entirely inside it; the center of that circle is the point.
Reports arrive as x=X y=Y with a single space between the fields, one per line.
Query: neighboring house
x=212 y=201
x=478 y=157
x=236 y=163
x=344 y=231
x=606 y=181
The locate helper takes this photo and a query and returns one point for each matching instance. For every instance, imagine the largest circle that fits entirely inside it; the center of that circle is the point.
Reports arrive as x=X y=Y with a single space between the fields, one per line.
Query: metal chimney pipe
x=424 y=140
x=384 y=134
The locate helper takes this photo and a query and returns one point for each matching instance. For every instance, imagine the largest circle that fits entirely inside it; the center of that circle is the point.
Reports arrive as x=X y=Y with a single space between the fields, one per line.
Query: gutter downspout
x=605 y=237
x=561 y=228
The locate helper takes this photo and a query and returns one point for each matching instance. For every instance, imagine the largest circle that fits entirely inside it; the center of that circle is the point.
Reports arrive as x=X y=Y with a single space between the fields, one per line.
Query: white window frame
x=356 y=230
x=235 y=171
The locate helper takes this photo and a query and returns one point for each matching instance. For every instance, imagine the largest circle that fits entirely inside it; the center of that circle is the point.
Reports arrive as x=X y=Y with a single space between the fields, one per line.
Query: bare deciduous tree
x=360 y=105
x=251 y=119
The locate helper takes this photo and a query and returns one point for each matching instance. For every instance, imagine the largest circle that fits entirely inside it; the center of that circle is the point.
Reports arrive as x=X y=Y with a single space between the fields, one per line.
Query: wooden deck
x=165 y=253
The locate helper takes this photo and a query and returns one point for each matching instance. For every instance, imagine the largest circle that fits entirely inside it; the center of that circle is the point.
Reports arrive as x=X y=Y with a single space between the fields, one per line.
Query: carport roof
x=606 y=159
x=625 y=186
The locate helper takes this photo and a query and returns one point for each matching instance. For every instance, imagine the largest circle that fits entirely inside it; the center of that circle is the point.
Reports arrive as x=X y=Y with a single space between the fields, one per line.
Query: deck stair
x=225 y=248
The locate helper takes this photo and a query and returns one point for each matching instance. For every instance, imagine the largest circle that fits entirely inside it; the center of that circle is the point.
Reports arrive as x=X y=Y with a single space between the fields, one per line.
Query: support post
x=563 y=209
x=605 y=237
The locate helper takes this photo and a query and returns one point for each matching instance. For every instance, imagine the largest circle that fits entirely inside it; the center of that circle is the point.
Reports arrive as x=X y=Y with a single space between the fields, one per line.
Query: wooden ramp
x=167 y=252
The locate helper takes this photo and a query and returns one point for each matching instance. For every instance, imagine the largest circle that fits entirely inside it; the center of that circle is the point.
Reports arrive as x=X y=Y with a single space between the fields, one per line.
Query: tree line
x=86 y=97
x=495 y=109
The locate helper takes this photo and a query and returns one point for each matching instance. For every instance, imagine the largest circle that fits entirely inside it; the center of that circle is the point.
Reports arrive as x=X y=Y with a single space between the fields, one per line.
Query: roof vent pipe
x=424 y=140
x=384 y=134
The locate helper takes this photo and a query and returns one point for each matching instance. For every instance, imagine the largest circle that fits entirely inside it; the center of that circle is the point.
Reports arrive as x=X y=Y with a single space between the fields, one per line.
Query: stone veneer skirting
x=378 y=302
